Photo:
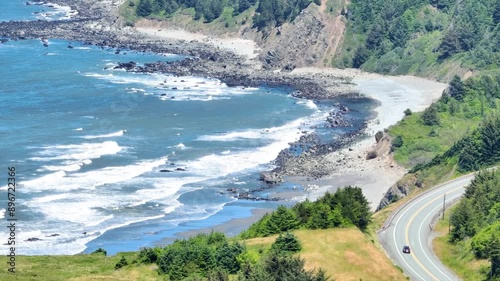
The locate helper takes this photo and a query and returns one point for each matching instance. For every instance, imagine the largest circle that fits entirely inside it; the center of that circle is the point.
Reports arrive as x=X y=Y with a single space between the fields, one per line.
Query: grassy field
x=422 y=143
x=345 y=254
x=77 y=268
x=458 y=257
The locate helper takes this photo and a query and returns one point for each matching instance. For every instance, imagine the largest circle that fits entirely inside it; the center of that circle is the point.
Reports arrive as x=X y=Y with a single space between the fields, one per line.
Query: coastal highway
x=411 y=225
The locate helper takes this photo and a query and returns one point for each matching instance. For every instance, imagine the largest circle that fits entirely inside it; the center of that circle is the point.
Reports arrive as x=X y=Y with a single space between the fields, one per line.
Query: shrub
x=121 y=263
x=286 y=243
x=147 y=255
x=397 y=142
x=99 y=251
x=408 y=112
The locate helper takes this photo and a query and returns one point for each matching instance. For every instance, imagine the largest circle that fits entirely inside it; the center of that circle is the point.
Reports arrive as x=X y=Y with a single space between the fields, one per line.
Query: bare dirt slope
x=310 y=40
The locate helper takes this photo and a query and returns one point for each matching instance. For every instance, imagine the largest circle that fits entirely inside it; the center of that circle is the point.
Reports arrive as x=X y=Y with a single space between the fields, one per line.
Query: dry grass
x=345 y=253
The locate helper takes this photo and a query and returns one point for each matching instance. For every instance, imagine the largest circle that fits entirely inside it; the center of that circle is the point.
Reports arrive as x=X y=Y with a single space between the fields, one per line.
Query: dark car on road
x=406 y=249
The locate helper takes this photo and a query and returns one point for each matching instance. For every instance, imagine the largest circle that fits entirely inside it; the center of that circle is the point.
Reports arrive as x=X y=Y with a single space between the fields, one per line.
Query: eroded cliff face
x=310 y=40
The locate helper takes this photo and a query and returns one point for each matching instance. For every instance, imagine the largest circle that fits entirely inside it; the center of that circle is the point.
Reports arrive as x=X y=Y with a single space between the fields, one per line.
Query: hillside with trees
x=268 y=13
x=430 y=38
x=475 y=222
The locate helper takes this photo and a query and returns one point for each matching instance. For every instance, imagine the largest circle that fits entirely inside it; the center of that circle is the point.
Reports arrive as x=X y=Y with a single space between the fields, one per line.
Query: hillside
x=435 y=39
x=425 y=38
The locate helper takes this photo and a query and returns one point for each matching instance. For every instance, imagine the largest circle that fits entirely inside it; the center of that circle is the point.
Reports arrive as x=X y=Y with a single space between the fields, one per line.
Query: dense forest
x=477 y=219
x=412 y=36
x=268 y=12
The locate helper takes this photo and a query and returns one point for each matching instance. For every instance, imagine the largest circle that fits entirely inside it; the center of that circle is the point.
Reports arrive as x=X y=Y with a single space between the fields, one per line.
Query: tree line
x=477 y=217
x=268 y=12
x=347 y=206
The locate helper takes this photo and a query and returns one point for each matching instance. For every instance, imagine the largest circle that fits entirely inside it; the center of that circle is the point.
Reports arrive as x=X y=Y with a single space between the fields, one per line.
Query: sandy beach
x=375 y=176
x=242 y=47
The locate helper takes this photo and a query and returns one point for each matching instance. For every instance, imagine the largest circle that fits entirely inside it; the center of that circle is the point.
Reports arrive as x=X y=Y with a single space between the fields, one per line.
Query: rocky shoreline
x=97 y=25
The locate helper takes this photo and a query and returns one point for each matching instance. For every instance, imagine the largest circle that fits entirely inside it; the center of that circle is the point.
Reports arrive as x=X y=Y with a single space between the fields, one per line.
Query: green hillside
x=427 y=38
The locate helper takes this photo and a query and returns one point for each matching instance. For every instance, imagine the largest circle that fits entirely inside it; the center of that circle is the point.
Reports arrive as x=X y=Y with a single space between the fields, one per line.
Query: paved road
x=411 y=226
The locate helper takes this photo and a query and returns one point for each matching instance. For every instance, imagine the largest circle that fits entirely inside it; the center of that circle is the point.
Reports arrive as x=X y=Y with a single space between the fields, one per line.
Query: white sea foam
x=224 y=164
x=77 y=152
x=110 y=135
x=92 y=179
x=185 y=88
x=66 y=168
x=276 y=133
x=78 y=129
x=180 y=146
x=309 y=103
x=2 y=213
x=57 y=12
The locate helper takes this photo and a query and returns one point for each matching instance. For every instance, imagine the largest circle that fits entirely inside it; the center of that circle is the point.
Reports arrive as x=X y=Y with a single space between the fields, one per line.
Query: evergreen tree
x=320 y=217
x=360 y=56
x=462 y=220
x=159 y=5
x=286 y=243
x=243 y=5
x=121 y=263
x=490 y=132
x=450 y=43
x=145 y=8
x=430 y=116
x=468 y=160
x=456 y=88
x=283 y=219
x=494 y=247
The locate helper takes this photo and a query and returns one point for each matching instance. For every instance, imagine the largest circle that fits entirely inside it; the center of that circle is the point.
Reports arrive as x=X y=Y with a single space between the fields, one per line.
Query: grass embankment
x=457 y=257
x=78 y=268
x=344 y=253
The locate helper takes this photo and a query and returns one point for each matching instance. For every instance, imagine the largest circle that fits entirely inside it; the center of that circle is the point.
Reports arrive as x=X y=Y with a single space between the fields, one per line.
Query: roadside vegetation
x=470 y=241
x=457 y=256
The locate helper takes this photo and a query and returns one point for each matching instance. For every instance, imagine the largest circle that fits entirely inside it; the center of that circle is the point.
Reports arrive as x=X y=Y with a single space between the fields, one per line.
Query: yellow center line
x=408 y=228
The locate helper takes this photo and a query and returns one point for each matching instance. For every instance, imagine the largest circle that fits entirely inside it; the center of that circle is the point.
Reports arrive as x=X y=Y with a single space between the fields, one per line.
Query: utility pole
x=444 y=204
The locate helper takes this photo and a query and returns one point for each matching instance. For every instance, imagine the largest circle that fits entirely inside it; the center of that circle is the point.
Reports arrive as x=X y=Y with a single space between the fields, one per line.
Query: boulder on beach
x=271 y=177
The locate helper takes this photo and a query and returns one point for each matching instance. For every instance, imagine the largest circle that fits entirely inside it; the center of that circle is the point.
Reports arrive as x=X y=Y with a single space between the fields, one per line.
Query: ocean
x=118 y=160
